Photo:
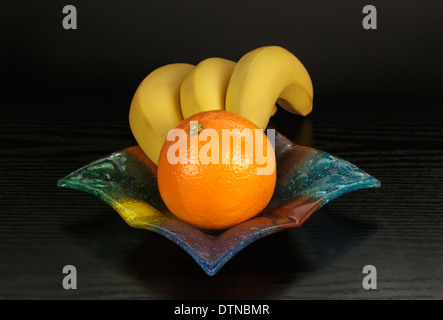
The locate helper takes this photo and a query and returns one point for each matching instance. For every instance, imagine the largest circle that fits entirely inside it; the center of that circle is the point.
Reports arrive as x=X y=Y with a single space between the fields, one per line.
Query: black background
x=65 y=97
x=118 y=43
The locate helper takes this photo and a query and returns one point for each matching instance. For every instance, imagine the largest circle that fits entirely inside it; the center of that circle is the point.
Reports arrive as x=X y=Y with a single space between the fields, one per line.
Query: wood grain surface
x=397 y=228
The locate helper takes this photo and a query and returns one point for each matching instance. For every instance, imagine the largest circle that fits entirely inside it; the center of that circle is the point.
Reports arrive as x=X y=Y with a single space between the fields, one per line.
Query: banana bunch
x=251 y=87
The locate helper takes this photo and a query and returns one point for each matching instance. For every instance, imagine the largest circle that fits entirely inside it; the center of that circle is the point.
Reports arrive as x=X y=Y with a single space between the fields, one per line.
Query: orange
x=216 y=194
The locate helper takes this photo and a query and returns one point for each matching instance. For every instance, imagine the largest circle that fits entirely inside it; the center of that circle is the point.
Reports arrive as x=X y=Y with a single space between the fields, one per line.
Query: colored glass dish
x=307 y=179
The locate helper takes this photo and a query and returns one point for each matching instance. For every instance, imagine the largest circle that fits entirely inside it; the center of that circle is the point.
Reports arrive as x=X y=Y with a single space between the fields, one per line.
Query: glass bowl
x=307 y=179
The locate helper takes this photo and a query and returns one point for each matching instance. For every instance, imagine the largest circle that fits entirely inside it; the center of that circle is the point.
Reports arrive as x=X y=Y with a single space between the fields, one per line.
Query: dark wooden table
x=398 y=228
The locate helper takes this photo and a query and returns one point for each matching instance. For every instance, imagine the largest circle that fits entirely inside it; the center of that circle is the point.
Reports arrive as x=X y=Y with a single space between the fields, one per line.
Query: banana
x=274 y=110
x=265 y=76
x=155 y=107
x=205 y=87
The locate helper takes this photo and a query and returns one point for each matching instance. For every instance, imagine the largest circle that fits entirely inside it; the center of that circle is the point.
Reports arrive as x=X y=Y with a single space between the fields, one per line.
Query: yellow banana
x=155 y=107
x=274 y=110
x=265 y=76
x=205 y=87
